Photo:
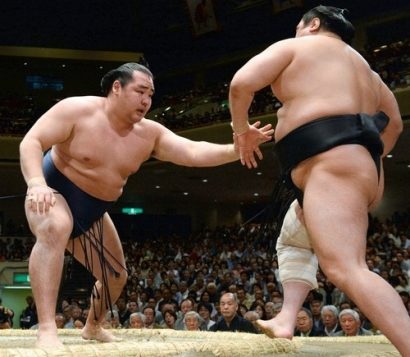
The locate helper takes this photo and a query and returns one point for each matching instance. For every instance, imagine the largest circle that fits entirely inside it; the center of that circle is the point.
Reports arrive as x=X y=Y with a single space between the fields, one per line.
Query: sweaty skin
x=316 y=75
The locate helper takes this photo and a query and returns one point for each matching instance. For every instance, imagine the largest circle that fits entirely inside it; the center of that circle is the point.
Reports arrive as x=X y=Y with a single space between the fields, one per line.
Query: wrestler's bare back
x=327 y=77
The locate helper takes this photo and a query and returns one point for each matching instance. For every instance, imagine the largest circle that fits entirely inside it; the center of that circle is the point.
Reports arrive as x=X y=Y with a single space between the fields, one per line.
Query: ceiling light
x=205 y=180
x=389 y=156
x=259 y=173
x=186 y=193
x=256 y=194
x=157 y=186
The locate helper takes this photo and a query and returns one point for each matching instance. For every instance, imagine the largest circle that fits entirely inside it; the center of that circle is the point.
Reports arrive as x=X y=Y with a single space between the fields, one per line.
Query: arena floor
x=157 y=343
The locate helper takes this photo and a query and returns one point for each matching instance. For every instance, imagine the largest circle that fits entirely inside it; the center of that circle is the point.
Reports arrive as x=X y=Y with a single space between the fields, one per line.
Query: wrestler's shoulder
x=81 y=103
x=151 y=124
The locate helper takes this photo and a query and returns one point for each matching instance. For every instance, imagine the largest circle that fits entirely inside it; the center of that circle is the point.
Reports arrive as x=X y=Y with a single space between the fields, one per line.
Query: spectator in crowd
x=60 y=320
x=28 y=317
x=170 y=318
x=350 y=322
x=330 y=320
x=315 y=308
x=112 y=320
x=149 y=313
x=252 y=316
x=304 y=324
x=192 y=321
x=269 y=306
x=78 y=324
x=230 y=320
x=123 y=312
x=186 y=305
x=137 y=320
x=204 y=310
x=68 y=314
x=259 y=307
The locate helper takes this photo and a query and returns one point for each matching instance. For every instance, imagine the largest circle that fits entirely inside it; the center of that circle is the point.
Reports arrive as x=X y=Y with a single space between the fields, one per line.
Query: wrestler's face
x=135 y=98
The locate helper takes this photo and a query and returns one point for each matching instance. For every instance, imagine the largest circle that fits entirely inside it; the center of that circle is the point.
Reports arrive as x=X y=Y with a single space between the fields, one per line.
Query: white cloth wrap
x=296 y=259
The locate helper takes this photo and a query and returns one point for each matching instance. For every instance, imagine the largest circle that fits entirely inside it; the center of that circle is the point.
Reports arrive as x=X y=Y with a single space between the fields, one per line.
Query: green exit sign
x=21 y=279
x=132 y=210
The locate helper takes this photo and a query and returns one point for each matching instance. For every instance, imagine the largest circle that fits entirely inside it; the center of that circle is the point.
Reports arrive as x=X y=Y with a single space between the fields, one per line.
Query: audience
x=137 y=320
x=330 y=315
x=228 y=276
x=230 y=320
x=304 y=324
x=192 y=321
x=351 y=326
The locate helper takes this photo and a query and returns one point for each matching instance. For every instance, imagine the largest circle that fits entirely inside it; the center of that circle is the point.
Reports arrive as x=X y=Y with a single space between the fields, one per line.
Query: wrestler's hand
x=248 y=143
x=40 y=198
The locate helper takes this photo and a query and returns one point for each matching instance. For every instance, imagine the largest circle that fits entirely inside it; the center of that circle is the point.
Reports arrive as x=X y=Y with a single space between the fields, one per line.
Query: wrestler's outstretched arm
x=181 y=151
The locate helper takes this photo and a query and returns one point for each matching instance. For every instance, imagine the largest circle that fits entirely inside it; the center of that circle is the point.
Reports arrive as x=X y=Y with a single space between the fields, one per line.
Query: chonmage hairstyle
x=124 y=74
x=332 y=19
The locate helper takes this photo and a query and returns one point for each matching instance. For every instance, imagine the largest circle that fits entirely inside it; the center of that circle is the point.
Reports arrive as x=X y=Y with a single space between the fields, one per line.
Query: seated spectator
x=28 y=317
x=137 y=320
x=78 y=324
x=230 y=320
x=123 y=312
x=60 y=320
x=252 y=316
x=350 y=322
x=170 y=317
x=149 y=313
x=304 y=324
x=112 y=320
x=269 y=313
x=259 y=308
x=192 y=321
x=186 y=305
x=330 y=320
x=68 y=312
x=315 y=308
x=204 y=310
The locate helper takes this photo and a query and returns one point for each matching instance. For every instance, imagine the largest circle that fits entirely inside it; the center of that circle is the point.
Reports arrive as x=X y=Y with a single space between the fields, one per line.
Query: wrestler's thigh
x=113 y=252
x=336 y=215
x=56 y=223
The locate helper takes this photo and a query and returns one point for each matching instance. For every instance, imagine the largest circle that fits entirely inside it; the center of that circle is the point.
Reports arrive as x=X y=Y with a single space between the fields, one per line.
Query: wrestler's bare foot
x=275 y=329
x=99 y=334
x=48 y=339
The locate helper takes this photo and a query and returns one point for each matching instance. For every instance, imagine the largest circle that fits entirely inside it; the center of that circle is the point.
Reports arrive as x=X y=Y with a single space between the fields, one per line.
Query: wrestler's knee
x=341 y=274
x=52 y=233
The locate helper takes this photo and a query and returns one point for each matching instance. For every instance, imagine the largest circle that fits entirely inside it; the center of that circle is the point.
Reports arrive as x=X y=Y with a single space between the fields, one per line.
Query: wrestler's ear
x=116 y=86
x=314 y=25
